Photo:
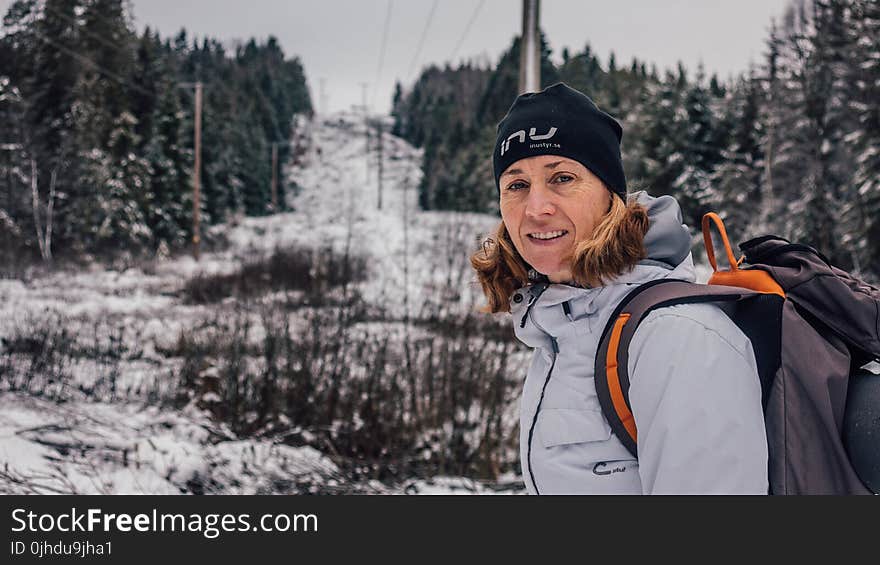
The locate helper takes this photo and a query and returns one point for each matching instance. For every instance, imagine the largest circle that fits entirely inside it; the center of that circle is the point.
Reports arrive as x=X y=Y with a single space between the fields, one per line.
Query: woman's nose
x=539 y=201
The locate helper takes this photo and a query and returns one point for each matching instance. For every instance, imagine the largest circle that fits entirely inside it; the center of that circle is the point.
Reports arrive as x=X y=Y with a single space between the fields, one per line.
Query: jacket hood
x=668 y=240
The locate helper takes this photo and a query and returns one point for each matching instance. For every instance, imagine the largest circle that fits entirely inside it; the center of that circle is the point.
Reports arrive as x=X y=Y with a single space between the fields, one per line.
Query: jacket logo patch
x=602 y=468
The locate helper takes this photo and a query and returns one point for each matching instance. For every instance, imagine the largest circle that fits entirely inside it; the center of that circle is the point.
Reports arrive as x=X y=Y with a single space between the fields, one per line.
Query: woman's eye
x=518 y=185
x=563 y=178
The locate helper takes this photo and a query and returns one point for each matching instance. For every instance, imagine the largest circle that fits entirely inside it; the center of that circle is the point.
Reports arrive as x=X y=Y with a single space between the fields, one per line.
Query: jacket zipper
x=538 y=411
x=543 y=388
x=534 y=298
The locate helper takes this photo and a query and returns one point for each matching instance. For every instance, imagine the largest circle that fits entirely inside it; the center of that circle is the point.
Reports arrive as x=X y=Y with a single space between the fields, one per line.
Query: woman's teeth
x=548 y=234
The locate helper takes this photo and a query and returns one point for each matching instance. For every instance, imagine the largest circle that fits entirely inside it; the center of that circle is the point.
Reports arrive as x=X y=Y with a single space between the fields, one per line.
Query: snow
x=124 y=445
x=99 y=448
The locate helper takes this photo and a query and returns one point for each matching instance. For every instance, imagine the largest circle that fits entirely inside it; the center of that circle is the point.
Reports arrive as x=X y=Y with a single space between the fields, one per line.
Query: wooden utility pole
x=364 y=87
x=530 y=48
x=324 y=107
x=197 y=173
x=274 y=176
x=379 y=151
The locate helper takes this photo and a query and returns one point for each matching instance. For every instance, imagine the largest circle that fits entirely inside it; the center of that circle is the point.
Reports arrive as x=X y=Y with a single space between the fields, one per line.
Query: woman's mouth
x=546 y=237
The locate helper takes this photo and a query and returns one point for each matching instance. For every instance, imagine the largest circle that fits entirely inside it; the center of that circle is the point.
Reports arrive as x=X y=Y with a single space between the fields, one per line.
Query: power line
x=382 y=50
x=422 y=39
x=467 y=30
x=127 y=16
x=83 y=59
x=81 y=29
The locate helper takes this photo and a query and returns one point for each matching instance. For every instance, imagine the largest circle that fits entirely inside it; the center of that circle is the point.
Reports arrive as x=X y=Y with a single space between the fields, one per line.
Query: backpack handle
x=710 y=248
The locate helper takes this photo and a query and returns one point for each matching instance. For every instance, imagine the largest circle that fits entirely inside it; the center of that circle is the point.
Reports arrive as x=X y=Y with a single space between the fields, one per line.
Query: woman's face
x=548 y=204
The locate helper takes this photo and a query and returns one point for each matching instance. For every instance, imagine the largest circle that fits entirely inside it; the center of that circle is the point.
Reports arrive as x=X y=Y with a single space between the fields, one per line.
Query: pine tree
x=14 y=229
x=864 y=139
x=397 y=111
x=503 y=86
x=611 y=100
x=810 y=164
x=46 y=72
x=662 y=142
x=149 y=76
x=832 y=47
x=700 y=153
x=736 y=179
x=790 y=175
x=583 y=72
x=107 y=42
x=126 y=191
x=55 y=72
x=169 y=211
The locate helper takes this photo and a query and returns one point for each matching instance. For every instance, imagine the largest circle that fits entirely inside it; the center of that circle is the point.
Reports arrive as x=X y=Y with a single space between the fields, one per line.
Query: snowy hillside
x=102 y=390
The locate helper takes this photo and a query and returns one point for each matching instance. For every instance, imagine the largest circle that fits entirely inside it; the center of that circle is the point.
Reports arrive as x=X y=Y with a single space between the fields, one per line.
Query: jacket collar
x=557 y=293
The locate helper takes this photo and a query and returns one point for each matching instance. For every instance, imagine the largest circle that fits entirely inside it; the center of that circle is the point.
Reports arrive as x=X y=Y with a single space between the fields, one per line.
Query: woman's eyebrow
x=552 y=165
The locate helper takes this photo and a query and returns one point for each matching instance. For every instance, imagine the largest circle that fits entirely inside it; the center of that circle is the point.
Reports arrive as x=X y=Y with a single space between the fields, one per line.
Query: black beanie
x=559 y=120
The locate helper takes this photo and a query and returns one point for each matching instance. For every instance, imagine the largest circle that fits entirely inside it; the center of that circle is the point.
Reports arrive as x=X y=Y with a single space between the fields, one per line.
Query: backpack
x=812 y=327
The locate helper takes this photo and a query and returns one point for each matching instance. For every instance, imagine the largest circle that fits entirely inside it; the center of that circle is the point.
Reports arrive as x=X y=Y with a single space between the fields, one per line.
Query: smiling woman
x=570 y=248
x=549 y=203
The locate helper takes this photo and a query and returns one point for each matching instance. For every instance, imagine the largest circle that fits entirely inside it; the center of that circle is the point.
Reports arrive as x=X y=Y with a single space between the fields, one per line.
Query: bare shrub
x=41 y=358
x=383 y=408
x=311 y=270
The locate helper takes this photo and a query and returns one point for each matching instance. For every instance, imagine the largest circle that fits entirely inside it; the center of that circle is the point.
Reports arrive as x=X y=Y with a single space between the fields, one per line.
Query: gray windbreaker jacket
x=694 y=388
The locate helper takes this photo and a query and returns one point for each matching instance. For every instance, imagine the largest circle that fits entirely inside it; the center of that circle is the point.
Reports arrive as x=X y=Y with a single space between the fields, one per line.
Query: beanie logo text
x=521 y=136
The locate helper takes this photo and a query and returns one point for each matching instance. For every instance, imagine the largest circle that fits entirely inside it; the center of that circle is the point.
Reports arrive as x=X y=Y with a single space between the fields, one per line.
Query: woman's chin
x=552 y=271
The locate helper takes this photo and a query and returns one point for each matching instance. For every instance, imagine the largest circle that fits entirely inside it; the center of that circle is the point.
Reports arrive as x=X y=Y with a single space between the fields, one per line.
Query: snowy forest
x=96 y=122
x=331 y=341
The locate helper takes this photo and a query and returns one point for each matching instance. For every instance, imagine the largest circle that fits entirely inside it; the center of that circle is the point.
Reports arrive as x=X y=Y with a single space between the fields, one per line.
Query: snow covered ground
x=128 y=445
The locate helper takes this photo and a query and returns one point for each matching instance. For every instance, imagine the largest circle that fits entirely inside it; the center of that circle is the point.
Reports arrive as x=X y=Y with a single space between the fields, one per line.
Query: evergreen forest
x=97 y=122
x=792 y=146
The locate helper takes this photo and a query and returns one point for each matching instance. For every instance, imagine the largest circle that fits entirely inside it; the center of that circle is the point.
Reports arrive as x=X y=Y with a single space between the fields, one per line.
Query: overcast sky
x=341 y=41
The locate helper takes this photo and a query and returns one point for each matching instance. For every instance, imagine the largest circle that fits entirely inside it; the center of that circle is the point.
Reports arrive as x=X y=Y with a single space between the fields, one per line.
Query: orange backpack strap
x=611 y=373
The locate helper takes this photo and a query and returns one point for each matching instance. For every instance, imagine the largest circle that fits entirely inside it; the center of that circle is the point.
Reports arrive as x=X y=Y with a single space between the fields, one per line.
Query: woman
x=570 y=246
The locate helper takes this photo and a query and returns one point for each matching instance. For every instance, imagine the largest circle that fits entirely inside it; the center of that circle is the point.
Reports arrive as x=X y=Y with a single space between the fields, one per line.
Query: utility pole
x=530 y=48
x=364 y=86
x=324 y=108
x=197 y=173
x=274 y=177
x=379 y=151
x=197 y=167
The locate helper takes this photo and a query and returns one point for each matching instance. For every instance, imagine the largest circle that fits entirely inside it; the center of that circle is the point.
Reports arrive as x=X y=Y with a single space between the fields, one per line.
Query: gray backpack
x=812 y=326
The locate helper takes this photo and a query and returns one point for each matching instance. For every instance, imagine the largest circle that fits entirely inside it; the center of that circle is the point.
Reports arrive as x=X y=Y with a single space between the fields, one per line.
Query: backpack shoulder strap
x=611 y=374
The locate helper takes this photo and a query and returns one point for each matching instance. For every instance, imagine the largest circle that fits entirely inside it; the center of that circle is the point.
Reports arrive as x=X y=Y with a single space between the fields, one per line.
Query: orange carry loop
x=753 y=279
x=788 y=300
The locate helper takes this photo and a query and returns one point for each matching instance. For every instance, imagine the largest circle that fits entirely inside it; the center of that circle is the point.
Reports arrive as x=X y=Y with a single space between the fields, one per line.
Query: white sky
x=340 y=41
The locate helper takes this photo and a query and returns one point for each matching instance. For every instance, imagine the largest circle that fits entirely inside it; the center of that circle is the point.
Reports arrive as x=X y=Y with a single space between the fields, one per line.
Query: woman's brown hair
x=614 y=247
